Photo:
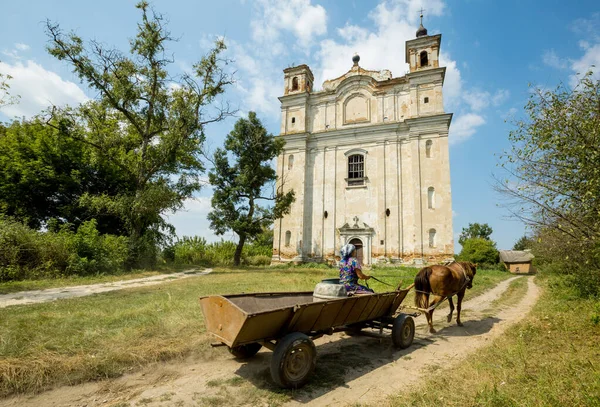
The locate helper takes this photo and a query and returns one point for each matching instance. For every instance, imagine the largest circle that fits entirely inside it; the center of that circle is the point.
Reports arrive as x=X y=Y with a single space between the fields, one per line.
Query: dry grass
x=549 y=359
x=105 y=335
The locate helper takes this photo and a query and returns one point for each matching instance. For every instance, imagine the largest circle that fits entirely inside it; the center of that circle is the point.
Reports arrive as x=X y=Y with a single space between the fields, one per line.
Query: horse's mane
x=466 y=265
x=469 y=268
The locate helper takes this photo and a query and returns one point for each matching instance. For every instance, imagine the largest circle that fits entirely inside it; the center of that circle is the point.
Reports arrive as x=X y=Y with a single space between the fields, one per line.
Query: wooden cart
x=287 y=323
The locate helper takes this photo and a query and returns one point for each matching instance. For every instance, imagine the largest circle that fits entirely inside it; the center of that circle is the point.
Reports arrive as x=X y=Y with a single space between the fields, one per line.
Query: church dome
x=422 y=31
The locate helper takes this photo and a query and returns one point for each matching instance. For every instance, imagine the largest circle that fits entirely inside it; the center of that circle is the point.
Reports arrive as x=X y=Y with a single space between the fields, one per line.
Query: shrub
x=480 y=251
x=259 y=260
x=27 y=253
x=196 y=251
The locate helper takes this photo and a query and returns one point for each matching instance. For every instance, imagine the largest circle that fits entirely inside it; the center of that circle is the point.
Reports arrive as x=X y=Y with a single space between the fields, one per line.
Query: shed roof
x=516 y=256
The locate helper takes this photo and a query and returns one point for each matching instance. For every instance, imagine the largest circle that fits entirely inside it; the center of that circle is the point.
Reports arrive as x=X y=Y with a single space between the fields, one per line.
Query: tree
x=523 y=243
x=552 y=172
x=5 y=97
x=43 y=176
x=239 y=187
x=551 y=176
x=475 y=230
x=148 y=123
x=479 y=250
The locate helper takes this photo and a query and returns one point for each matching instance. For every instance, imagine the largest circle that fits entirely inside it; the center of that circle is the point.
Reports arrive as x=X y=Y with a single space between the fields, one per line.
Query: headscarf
x=346 y=251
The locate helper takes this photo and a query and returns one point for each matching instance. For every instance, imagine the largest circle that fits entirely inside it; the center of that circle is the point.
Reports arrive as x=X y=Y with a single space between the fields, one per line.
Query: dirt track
x=370 y=370
x=51 y=294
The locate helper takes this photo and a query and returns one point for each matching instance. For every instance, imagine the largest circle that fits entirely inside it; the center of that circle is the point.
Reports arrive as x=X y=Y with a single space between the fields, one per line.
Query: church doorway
x=359 y=249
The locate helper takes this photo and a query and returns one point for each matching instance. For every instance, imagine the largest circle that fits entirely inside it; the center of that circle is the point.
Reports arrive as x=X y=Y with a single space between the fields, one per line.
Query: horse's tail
x=422 y=287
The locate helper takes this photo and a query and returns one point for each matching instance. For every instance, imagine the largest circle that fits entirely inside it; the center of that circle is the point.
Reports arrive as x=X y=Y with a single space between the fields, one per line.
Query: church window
x=431 y=237
x=431 y=198
x=426 y=100
x=293 y=120
x=356 y=169
x=428 y=145
x=288 y=237
x=423 y=59
x=290 y=162
x=295 y=83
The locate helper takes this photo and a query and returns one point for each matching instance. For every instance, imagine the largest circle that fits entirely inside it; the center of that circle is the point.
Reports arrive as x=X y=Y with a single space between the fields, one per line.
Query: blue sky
x=492 y=50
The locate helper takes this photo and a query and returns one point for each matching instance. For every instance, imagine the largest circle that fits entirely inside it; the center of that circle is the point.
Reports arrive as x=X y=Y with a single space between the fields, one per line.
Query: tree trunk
x=238 y=250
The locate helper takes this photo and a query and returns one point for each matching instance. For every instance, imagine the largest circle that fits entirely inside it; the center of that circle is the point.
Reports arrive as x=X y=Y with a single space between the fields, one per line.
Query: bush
x=480 y=251
x=259 y=260
x=27 y=253
x=196 y=251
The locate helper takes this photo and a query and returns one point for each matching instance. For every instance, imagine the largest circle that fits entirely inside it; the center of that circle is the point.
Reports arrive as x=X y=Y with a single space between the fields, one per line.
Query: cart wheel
x=294 y=360
x=245 y=351
x=403 y=331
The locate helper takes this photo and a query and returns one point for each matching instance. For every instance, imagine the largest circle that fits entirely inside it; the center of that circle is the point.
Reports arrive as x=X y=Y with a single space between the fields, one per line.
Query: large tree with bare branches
x=148 y=123
x=552 y=171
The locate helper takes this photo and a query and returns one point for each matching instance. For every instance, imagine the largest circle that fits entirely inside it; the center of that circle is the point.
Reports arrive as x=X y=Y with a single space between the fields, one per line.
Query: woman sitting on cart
x=350 y=272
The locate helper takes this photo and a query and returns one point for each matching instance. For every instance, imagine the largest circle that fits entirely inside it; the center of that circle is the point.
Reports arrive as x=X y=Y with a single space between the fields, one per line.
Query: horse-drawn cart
x=286 y=322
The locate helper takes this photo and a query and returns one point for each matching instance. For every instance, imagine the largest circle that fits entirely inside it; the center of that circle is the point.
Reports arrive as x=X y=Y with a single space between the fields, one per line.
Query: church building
x=368 y=159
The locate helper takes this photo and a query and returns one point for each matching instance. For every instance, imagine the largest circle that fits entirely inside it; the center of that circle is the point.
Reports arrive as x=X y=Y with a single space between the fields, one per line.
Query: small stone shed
x=517 y=262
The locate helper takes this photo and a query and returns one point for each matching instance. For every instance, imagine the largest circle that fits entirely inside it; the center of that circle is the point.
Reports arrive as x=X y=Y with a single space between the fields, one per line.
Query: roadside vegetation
x=106 y=335
x=548 y=359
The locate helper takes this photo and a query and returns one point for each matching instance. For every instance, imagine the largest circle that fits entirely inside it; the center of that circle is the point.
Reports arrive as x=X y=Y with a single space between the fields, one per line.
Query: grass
x=105 y=335
x=41 y=284
x=551 y=358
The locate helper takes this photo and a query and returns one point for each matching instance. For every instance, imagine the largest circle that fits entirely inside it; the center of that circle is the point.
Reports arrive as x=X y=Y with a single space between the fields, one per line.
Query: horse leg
x=430 y=321
x=436 y=299
x=460 y=296
x=451 y=309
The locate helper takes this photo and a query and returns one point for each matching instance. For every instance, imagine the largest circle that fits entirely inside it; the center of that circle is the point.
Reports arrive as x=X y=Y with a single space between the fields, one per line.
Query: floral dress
x=349 y=278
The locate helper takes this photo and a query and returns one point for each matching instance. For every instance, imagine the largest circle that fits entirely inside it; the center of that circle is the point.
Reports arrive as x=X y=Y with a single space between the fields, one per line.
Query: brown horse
x=443 y=282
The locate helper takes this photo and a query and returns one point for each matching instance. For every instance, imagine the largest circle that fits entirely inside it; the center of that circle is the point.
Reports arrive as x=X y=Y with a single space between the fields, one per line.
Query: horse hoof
x=432 y=331
x=449 y=318
x=460 y=323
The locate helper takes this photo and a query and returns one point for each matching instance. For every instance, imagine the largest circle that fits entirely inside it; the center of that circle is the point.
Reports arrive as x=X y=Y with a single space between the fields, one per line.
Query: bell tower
x=298 y=79
x=424 y=51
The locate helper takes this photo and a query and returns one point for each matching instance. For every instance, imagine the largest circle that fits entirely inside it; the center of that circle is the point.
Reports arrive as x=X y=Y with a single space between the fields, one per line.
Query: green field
x=105 y=335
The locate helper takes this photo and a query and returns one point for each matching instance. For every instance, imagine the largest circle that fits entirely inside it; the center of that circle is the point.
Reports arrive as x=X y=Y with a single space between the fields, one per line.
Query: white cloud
x=396 y=21
x=304 y=20
x=500 y=97
x=551 y=59
x=464 y=127
x=590 y=61
x=257 y=80
x=38 y=89
x=21 y=47
x=588 y=28
x=477 y=100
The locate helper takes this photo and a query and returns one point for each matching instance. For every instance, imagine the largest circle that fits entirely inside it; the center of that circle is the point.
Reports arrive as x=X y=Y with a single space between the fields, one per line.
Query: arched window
x=431 y=237
x=431 y=198
x=356 y=169
x=423 y=59
x=288 y=237
x=428 y=145
x=290 y=162
x=295 y=83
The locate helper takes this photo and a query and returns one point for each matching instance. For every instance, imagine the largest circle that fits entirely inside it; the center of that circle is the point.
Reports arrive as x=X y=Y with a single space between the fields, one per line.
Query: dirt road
x=349 y=369
x=51 y=294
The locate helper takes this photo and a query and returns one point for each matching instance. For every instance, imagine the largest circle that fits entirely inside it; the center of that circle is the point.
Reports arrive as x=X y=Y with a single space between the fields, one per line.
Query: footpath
x=52 y=294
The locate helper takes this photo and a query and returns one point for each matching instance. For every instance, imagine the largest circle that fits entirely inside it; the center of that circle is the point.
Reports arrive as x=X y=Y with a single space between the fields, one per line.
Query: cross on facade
x=421 y=12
